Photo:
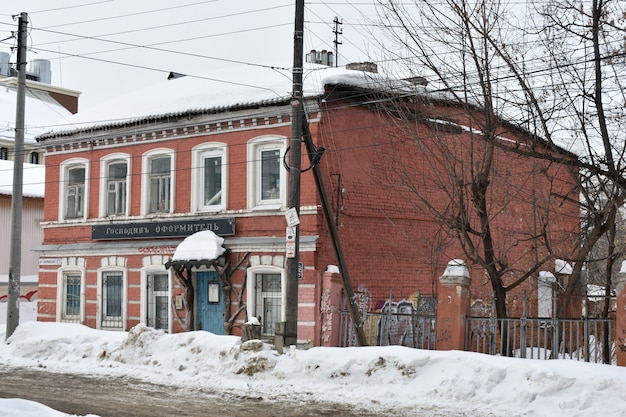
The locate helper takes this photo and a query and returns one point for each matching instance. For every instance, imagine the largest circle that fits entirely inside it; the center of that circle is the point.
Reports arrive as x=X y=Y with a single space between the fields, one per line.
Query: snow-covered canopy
x=33 y=183
x=204 y=245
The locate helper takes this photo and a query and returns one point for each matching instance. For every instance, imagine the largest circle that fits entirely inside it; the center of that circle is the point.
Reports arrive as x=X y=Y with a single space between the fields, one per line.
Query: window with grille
x=71 y=298
x=112 y=299
x=269 y=301
x=158 y=301
x=116 y=188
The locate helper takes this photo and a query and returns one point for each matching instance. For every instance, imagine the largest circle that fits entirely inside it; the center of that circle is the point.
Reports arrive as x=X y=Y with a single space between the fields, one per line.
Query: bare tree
x=481 y=190
x=558 y=78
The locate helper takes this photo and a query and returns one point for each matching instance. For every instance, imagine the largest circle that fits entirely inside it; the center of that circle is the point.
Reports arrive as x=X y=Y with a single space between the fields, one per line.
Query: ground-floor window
x=112 y=299
x=71 y=301
x=269 y=301
x=158 y=301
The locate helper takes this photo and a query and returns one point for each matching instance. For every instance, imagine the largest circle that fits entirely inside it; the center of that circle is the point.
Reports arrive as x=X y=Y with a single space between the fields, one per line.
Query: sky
x=394 y=380
x=105 y=47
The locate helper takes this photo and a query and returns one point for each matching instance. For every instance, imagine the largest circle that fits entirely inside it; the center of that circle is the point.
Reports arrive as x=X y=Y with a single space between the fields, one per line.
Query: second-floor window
x=209 y=179
x=270 y=175
x=160 y=184
x=75 y=192
x=267 y=179
x=116 y=188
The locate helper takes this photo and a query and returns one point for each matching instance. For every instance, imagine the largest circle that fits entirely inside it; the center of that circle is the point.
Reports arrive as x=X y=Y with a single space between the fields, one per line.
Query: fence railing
x=585 y=339
x=391 y=328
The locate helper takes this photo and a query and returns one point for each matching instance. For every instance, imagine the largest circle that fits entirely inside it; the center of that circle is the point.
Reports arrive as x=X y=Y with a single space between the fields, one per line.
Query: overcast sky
x=105 y=47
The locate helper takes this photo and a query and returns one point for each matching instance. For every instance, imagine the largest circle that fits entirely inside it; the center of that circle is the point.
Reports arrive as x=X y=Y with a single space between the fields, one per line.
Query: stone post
x=620 y=316
x=330 y=307
x=453 y=306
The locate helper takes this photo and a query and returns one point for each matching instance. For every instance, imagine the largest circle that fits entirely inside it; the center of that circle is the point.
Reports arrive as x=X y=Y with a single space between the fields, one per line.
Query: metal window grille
x=112 y=299
x=158 y=301
x=72 y=298
x=268 y=302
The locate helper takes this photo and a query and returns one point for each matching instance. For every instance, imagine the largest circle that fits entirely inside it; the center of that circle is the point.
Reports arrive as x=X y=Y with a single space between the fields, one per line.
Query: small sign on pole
x=292 y=218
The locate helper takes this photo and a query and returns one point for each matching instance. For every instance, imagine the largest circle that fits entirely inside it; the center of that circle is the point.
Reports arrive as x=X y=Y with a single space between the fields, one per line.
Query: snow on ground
x=386 y=378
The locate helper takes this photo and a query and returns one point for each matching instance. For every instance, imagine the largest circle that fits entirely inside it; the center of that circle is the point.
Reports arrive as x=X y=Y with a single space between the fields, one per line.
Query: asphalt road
x=128 y=397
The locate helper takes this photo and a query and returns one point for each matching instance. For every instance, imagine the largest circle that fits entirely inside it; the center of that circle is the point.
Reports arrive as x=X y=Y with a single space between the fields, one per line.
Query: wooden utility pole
x=15 y=251
x=295 y=155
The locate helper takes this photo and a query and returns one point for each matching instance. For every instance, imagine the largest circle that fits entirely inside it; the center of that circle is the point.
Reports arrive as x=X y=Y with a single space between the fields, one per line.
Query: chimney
x=363 y=66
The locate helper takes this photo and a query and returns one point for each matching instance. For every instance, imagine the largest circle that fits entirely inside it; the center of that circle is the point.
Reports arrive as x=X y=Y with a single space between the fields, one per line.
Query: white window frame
x=100 y=322
x=251 y=292
x=146 y=177
x=63 y=189
x=199 y=152
x=255 y=147
x=105 y=162
x=62 y=273
x=145 y=293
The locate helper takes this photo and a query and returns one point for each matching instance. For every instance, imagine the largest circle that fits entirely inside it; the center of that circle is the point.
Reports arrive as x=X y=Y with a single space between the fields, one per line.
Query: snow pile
x=390 y=379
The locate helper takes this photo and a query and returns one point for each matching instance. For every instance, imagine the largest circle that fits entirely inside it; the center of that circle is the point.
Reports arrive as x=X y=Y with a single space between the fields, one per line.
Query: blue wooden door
x=209 y=302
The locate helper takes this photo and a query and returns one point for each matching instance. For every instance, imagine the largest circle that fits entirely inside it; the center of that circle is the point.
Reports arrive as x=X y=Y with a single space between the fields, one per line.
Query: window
x=75 y=194
x=210 y=177
x=267 y=179
x=158 y=301
x=4 y=153
x=112 y=299
x=116 y=188
x=158 y=182
x=268 y=301
x=33 y=158
x=74 y=189
x=265 y=295
x=270 y=175
x=71 y=303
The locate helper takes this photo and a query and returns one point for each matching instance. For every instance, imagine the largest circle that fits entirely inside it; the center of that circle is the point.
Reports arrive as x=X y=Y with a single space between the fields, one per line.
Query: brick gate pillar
x=620 y=317
x=453 y=306
x=330 y=307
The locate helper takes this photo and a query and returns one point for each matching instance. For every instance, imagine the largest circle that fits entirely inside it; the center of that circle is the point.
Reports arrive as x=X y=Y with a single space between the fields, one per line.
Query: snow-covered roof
x=41 y=112
x=34 y=180
x=204 y=245
x=219 y=90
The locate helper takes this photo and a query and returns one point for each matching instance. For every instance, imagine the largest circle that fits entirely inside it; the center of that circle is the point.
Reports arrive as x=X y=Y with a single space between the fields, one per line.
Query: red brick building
x=125 y=188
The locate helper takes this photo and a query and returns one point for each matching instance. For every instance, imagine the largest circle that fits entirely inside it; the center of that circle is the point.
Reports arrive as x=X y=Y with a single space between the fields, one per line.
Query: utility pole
x=337 y=31
x=295 y=156
x=15 y=251
x=355 y=313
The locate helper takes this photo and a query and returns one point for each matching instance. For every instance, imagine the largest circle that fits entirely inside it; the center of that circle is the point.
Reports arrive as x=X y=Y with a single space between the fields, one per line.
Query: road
x=128 y=397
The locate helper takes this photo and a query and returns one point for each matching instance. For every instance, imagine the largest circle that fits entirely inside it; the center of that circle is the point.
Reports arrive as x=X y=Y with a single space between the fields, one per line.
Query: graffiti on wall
x=401 y=323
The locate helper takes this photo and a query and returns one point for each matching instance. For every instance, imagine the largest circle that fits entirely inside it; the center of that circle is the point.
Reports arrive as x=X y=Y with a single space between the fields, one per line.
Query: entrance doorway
x=209 y=302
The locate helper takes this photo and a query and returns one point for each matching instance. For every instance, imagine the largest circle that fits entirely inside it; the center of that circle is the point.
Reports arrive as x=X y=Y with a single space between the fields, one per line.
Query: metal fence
x=400 y=323
x=396 y=323
x=584 y=339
